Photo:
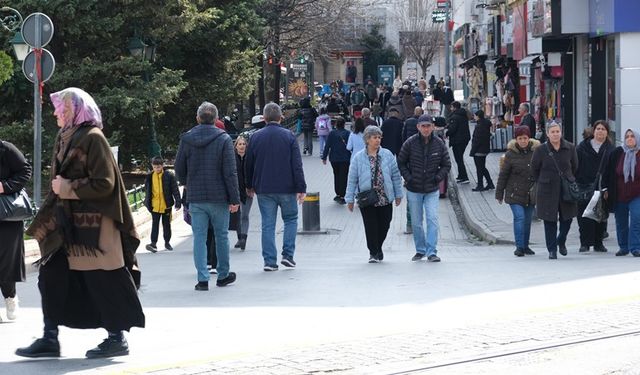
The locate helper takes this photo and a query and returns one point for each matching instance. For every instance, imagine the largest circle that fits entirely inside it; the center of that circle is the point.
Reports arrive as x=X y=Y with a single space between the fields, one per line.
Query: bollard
x=311 y=213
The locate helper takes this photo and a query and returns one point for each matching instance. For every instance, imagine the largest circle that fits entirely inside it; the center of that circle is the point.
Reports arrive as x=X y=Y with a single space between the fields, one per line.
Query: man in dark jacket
x=274 y=172
x=392 y=132
x=459 y=137
x=206 y=164
x=424 y=162
x=527 y=119
x=161 y=192
x=411 y=124
x=308 y=116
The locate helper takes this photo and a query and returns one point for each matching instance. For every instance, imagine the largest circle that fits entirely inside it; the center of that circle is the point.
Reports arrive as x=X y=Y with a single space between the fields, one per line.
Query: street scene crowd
x=88 y=271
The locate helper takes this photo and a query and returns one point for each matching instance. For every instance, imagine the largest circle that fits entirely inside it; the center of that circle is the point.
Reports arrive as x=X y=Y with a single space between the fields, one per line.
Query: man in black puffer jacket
x=459 y=137
x=424 y=162
x=308 y=116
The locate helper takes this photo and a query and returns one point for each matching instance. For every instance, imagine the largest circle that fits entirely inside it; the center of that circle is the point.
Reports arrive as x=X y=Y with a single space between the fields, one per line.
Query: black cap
x=425 y=119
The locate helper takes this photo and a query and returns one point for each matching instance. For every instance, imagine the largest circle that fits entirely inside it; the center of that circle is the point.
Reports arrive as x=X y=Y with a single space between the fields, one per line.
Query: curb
x=476 y=226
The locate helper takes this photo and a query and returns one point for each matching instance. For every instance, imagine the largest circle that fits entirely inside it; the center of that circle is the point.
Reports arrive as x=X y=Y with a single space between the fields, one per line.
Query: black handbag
x=369 y=198
x=15 y=207
x=569 y=190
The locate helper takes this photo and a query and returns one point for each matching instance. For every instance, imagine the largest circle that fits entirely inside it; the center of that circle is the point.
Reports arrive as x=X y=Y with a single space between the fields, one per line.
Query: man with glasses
x=424 y=162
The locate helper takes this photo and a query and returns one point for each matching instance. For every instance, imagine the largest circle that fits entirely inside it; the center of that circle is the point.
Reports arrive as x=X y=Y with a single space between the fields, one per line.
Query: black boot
x=519 y=252
x=553 y=255
x=478 y=188
x=113 y=346
x=41 y=348
x=242 y=241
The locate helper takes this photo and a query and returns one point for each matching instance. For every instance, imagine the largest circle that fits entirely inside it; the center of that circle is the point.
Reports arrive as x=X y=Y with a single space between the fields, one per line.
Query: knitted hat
x=522 y=130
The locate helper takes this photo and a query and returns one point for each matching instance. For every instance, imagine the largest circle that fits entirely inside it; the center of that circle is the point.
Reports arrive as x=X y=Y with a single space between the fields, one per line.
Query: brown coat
x=93 y=193
x=548 y=180
x=515 y=182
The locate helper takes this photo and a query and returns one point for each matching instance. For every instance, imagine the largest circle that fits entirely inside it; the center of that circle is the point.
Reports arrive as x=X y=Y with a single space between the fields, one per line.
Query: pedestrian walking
x=376 y=112
x=374 y=173
x=308 y=117
x=356 y=139
x=206 y=164
x=392 y=129
x=246 y=202
x=395 y=104
x=459 y=136
x=274 y=172
x=87 y=236
x=15 y=171
x=339 y=156
x=554 y=160
x=366 y=116
x=323 y=128
x=372 y=93
x=408 y=103
x=411 y=124
x=161 y=193
x=516 y=187
x=424 y=162
x=527 y=119
x=480 y=147
x=593 y=157
x=623 y=193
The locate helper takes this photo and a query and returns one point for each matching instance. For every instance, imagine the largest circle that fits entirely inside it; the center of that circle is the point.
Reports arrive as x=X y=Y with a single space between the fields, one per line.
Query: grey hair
x=370 y=131
x=525 y=106
x=207 y=113
x=366 y=112
x=272 y=112
x=553 y=124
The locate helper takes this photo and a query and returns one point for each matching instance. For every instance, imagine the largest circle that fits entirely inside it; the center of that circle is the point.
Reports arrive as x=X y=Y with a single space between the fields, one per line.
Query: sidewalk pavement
x=491 y=221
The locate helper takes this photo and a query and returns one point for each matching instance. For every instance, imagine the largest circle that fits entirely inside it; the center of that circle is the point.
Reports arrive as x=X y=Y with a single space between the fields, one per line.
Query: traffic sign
x=47 y=64
x=443 y=4
x=34 y=24
x=438 y=16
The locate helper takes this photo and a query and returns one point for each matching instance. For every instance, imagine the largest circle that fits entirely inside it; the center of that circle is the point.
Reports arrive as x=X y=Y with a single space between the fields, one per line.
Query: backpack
x=323 y=123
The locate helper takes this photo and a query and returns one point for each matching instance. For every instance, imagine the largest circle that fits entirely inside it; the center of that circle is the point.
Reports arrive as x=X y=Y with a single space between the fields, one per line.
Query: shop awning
x=525 y=64
x=472 y=60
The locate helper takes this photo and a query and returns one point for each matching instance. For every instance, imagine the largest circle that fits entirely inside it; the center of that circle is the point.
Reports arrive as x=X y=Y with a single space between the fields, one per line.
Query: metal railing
x=136 y=197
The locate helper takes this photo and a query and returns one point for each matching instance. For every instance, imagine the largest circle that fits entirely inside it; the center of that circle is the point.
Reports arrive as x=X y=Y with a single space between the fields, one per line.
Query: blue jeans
x=628 y=230
x=521 y=224
x=202 y=214
x=419 y=205
x=268 y=204
x=323 y=141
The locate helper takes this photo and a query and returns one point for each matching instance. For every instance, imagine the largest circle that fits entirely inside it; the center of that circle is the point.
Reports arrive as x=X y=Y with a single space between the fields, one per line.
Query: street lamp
x=20 y=47
x=146 y=52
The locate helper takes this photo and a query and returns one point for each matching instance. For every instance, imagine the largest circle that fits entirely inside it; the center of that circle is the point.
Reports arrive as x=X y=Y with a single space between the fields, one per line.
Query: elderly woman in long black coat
x=555 y=156
x=14 y=174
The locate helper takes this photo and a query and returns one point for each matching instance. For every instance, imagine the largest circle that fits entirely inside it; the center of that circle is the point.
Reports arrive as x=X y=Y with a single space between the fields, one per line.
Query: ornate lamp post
x=146 y=52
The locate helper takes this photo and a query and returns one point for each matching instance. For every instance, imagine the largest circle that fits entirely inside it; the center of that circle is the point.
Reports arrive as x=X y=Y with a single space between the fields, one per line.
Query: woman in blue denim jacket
x=387 y=185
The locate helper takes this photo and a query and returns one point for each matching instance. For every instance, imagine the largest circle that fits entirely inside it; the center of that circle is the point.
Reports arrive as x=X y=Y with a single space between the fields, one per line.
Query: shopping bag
x=15 y=206
x=596 y=209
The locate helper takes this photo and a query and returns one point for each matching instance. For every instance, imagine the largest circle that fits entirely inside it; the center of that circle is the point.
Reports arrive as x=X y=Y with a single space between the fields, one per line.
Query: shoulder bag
x=368 y=198
x=15 y=206
x=569 y=190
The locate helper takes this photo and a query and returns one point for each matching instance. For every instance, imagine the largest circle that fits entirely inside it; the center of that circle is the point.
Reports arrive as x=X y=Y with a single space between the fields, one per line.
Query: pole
x=37 y=120
x=447 y=47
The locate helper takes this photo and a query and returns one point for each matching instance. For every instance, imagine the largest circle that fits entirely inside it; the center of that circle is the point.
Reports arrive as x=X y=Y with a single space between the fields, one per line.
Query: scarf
x=629 y=166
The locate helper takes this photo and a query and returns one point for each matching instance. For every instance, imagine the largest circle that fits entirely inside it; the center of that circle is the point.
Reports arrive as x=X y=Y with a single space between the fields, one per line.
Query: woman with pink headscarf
x=86 y=235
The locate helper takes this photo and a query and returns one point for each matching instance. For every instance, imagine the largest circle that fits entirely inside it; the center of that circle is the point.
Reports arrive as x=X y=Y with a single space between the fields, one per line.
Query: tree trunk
x=261 y=94
x=252 y=104
x=275 y=95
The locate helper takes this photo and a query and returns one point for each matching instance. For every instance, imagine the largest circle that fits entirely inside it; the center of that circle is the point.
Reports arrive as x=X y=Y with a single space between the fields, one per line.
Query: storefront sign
x=439 y=16
x=386 y=74
x=297 y=81
x=613 y=16
x=540 y=20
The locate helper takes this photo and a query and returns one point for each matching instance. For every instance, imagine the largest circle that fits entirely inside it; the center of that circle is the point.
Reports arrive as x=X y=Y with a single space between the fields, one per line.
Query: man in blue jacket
x=274 y=172
x=206 y=164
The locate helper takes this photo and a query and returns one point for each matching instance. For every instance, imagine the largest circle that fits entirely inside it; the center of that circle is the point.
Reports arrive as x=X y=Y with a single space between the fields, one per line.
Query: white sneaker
x=12 y=307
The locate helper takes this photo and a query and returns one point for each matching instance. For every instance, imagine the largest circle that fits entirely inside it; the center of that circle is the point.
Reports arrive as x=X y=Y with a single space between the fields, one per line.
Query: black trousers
x=458 y=154
x=8 y=289
x=340 y=174
x=591 y=232
x=166 y=225
x=376 y=226
x=482 y=171
x=552 y=237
